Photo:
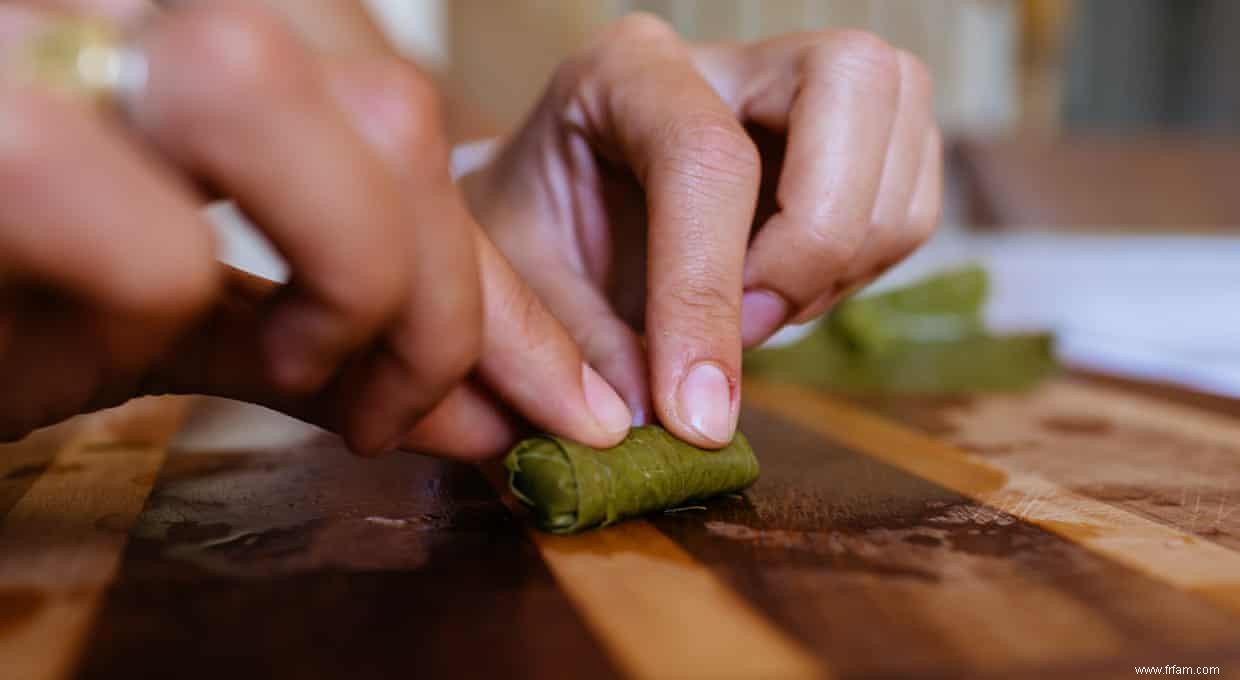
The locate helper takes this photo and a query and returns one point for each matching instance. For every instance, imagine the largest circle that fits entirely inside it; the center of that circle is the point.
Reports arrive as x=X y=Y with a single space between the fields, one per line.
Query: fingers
x=927 y=202
x=384 y=307
x=233 y=97
x=532 y=363
x=839 y=118
x=649 y=105
x=467 y=425
x=140 y=257
x=608 y=343
x=437 y=335
x=891 y=234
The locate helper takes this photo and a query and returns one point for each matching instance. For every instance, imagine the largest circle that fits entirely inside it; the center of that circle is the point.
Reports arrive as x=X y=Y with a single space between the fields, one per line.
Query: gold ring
x=84 y=58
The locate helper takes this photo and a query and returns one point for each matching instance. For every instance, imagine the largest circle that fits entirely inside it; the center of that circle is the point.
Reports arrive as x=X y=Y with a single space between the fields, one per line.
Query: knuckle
x=639 y=26
x=859 y=58
x=412 y=106
x=834 y=246
x=367 y=296
x=252 y=55
x=705 y=305
x=609 y=54
x=714 y=146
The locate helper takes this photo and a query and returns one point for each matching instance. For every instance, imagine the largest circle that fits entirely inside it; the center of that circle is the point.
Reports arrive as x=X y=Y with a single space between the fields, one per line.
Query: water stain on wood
x=855 y=557
x=196 y=532
x=1082 y=425
x=313 y=563
x=19 y=606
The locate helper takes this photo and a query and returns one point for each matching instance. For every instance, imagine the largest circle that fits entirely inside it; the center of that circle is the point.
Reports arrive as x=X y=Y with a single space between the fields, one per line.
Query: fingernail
x=762 y=313
x=607 y=406
x=705 y=402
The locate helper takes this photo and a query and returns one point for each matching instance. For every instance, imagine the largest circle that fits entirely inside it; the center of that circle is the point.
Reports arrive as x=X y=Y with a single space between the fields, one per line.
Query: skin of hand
x=401 y=320
x=705 y=195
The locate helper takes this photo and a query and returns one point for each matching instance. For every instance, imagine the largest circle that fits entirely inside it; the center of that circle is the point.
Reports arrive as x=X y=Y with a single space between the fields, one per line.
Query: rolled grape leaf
x=942 y=308
x=927 y=338
x=572 y=487
x=975 y=364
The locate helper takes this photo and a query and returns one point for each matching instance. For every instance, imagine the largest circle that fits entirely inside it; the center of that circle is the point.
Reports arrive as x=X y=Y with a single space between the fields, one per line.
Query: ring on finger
x=88 y=59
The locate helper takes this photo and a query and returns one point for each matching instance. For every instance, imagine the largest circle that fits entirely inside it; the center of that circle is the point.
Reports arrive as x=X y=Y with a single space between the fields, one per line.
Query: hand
x=110 y=288
x=707 y=195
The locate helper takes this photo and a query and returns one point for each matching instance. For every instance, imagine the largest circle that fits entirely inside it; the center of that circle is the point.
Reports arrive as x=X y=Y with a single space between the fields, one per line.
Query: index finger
x=701 y=174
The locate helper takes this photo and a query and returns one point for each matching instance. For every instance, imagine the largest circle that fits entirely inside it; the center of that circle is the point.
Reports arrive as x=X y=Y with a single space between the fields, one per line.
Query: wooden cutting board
x=1076 y=531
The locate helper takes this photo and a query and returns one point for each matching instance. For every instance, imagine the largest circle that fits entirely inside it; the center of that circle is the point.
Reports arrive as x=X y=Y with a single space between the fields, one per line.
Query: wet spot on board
x=266 y=545
x=1077 y=425
x=18 y=606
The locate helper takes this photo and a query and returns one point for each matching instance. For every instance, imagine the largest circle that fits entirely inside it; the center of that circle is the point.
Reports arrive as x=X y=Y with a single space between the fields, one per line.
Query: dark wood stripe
x=883 y=573
x=310 y=563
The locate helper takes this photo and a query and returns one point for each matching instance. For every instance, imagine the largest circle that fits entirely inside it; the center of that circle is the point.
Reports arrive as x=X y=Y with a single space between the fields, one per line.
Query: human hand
x=110 y=288
x=705 y=195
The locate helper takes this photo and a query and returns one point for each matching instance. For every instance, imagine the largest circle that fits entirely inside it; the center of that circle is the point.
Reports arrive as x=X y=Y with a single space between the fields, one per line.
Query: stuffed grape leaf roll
x=572 y=487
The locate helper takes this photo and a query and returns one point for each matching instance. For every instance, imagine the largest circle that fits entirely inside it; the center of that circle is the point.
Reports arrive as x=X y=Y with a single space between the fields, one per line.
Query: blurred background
x=1094 y=160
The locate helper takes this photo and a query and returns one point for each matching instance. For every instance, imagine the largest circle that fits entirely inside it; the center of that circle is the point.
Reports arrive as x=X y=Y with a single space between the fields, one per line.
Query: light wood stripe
x=60 y=545
x=1163 y=552
x=1073 y=395
x=661 y=614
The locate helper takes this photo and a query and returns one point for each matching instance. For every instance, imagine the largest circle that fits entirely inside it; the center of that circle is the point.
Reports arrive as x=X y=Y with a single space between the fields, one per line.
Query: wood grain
x=984 y=545
x=661 y=614
x=305 y=561
x=60 y=543
x=1157 y=549
x=1174 y=462
x=884 y=573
